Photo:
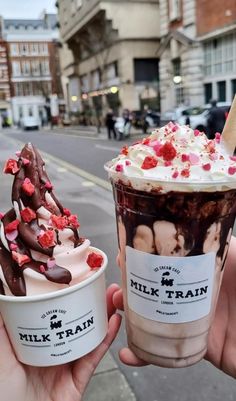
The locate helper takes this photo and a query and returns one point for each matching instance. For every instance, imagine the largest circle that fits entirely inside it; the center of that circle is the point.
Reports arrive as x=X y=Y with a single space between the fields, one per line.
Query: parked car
x=196 y=117
x=29 y=122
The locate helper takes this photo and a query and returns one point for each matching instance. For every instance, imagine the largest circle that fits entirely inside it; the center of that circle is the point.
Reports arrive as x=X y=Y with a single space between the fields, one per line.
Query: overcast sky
x=25 y=8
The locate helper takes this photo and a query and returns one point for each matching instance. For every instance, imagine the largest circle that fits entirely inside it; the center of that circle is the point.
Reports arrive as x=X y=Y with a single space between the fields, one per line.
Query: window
x=25 y=68
x=14 y=49
x=174 y=9
x=95 y=75
x=27 y=89
x=35 y=65
x=146 y=70
x=176 y=64
x=233 y=86
x=112 y=70
x=34 y=49
x=45 y=67
x=43 y=49
x=220 y=55
x=208 y=92
x=19 y=91
x=16 y=71
x=221 y=90
x=24 y=49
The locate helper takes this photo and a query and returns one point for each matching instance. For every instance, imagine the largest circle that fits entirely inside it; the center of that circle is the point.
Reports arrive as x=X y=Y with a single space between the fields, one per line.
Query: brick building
x=33 y=64
x=5 y=106
x=197 y=52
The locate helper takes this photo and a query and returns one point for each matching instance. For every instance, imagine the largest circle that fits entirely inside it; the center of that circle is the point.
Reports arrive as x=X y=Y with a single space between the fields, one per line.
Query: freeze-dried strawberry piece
x=25 y=162
x=20 y=258
x=217 y=137
x=206 y=166
x=146 y=141
x=149 y=162
x=185 y=172
x=59 y=222
x=13 y=247
x=11 y=167
x=48 y=185
x=232 y=170
x=12 y=226
x=94 y=260
x=28 y=187
x=167 y=151
x=119 y=168
x=184 y=158
x=124 y=150
x=175 y=174
x=46 y=239
x=28 y=215
x=1 y=215
x=73 y=220
x=66 y=211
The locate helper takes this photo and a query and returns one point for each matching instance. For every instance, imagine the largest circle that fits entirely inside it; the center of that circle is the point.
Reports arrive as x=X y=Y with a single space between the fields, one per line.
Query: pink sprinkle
x=167 y=163
x=13 y=247
x=184 y=158
x=42 y=268
x=157 y=148
x=217 y=137
x=27 y=181
x=232 y=170
x=17 y=153
x=174 y=128
x=196 y=132
x=213 y=156
x=48 y=185
x=119 y=168
x=193 y=158
x=25 y=162
x=51 y=263
x=1 y=215
x=206 y=166
x=175 y=174
x=233 y=158
x=127 y=163
x=12 y=235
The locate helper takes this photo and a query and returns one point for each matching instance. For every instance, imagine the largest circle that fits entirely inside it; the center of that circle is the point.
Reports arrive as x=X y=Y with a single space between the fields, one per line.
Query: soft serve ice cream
x=175 y=204
x=40 y=247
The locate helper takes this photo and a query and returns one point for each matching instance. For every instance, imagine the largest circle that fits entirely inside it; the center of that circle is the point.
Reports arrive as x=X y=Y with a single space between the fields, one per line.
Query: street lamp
x=74 y=98
x=177 y=79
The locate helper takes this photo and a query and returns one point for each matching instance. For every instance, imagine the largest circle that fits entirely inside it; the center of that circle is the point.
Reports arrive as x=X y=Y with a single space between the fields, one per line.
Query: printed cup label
x=169 y=289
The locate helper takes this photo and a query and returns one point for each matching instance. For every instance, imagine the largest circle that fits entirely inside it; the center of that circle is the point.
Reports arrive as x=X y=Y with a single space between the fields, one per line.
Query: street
x=78 y=155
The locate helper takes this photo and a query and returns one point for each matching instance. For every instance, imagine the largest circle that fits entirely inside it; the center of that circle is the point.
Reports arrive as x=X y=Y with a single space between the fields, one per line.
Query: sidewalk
x=108 y=382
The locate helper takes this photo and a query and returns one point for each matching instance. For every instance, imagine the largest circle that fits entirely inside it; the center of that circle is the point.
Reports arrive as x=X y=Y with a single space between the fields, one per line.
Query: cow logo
x=165 y=281
x=54 y=323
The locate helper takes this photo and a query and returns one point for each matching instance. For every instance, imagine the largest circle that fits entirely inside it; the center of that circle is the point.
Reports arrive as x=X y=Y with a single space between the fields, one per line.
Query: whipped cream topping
x=178 y=155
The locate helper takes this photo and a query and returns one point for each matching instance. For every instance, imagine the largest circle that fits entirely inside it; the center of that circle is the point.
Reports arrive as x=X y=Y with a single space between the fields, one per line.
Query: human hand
x=221 y=350
x=65 y=382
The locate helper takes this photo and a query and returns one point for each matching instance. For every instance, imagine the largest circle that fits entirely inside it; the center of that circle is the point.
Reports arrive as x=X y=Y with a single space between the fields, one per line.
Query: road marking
x=113 y=148
x=68 y=166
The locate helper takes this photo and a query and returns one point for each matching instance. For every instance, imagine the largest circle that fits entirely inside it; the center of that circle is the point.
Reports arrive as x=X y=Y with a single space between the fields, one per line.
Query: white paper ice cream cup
x=58 y=327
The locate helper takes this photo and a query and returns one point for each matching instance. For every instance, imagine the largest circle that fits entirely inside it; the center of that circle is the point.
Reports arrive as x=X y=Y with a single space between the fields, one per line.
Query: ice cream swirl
x=40 y=246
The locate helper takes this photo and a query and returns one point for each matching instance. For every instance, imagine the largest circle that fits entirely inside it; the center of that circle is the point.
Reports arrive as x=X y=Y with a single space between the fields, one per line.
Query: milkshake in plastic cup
x=175 y=198
x=52 y=282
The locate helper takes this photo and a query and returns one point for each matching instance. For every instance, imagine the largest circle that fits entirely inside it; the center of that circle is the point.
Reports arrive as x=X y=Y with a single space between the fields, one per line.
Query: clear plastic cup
x=58 y=327
x=173 y=243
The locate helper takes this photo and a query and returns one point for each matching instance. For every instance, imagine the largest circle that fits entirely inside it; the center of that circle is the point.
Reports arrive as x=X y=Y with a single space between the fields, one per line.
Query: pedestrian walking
x=110 y=124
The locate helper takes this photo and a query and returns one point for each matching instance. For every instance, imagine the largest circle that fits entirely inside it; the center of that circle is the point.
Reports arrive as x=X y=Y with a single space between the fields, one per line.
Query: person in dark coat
x=110 y=124
x=216 y=120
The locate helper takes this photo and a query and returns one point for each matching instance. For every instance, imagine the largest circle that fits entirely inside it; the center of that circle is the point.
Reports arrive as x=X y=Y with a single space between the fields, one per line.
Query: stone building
x=113 y=60
x=5 y=106
x=33 y=63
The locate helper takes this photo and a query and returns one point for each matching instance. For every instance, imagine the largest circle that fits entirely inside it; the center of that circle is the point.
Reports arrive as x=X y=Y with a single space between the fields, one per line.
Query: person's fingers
x=118 y=299
x=129 y=358
x=85 y=366
x=111 y=290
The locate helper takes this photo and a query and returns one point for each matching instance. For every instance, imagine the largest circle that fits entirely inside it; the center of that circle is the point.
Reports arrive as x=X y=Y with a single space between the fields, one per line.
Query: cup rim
x=59 y=293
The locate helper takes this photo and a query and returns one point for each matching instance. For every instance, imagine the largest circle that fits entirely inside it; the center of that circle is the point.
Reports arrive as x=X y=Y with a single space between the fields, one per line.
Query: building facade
x=216 y=31
x=5 y=106
x=197 y=52
x=113 y=61
x=33 y=64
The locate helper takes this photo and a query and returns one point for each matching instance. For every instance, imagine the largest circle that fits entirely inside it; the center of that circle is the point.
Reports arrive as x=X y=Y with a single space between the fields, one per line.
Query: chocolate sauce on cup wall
x=31 y=166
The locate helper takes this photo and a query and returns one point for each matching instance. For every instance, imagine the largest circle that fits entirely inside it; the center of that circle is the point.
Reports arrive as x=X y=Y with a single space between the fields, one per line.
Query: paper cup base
x=59 y=327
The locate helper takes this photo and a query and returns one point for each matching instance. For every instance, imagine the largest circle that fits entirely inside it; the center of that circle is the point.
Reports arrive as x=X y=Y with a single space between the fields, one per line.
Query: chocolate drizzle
x=31 y=166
